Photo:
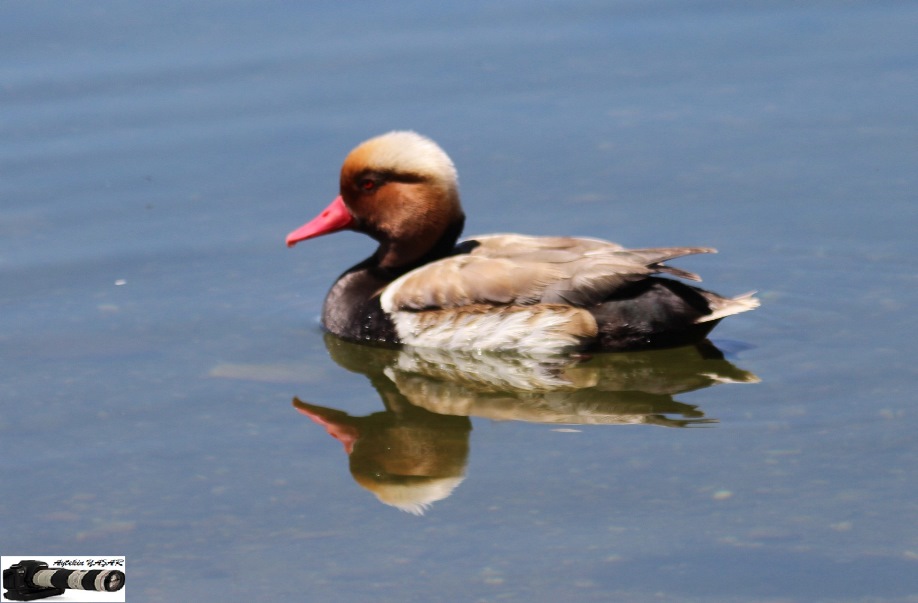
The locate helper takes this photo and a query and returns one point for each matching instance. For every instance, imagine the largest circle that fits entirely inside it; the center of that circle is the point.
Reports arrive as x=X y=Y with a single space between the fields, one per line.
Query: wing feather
x=522 y=270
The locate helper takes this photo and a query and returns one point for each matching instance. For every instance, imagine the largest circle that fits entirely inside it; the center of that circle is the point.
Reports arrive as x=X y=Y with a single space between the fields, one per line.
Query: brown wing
x=521 y=270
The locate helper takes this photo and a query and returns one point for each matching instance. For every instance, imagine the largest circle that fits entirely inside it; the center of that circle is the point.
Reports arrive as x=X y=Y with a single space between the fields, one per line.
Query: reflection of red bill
x=334 y=421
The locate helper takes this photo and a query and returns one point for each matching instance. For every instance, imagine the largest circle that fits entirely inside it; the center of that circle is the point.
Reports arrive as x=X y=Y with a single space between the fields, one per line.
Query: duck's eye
x=367 y=184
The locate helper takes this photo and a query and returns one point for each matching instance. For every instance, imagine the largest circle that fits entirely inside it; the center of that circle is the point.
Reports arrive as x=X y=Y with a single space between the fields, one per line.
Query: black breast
x=352 y=309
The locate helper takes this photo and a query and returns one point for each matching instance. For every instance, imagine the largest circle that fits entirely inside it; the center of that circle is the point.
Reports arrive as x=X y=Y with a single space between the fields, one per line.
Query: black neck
x=444 y=247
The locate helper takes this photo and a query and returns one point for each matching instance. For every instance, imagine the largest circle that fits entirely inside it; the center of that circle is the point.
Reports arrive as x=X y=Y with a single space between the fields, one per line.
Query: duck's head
x=401 y=189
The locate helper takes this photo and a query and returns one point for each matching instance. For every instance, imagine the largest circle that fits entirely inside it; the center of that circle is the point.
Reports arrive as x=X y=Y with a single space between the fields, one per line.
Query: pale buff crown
x=403 y=152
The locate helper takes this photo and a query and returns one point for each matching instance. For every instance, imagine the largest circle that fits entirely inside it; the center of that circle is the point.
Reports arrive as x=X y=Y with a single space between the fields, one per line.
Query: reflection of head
x=411 y=465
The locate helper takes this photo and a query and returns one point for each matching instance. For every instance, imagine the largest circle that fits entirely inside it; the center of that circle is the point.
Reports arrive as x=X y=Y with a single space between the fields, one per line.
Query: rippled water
x=155 y=332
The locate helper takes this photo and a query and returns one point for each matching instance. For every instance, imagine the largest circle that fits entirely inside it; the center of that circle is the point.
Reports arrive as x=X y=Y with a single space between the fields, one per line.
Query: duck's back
x=551 y=294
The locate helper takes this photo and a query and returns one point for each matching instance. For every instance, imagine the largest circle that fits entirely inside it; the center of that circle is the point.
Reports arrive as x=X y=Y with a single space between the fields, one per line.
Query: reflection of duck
x=414 y=453
x=606 y=389
x=409 y=458
x=496 y=292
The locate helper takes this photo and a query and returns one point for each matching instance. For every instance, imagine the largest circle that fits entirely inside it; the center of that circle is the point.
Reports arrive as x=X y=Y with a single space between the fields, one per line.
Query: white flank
x=525 y=330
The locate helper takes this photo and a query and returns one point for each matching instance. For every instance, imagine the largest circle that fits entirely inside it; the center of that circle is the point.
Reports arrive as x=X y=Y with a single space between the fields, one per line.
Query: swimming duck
x=531 y=295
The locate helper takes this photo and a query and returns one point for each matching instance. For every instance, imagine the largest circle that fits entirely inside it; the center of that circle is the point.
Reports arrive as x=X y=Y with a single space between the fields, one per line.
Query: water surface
x=154 y=329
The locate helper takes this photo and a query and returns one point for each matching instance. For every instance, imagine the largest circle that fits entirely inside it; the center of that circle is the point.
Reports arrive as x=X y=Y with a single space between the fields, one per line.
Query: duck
x=532 y=295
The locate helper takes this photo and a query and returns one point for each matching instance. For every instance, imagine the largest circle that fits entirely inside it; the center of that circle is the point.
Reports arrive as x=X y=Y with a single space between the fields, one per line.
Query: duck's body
x=495 y=292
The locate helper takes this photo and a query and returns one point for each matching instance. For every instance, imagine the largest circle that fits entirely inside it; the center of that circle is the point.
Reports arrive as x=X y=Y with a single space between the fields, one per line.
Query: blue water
x=154 y=329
